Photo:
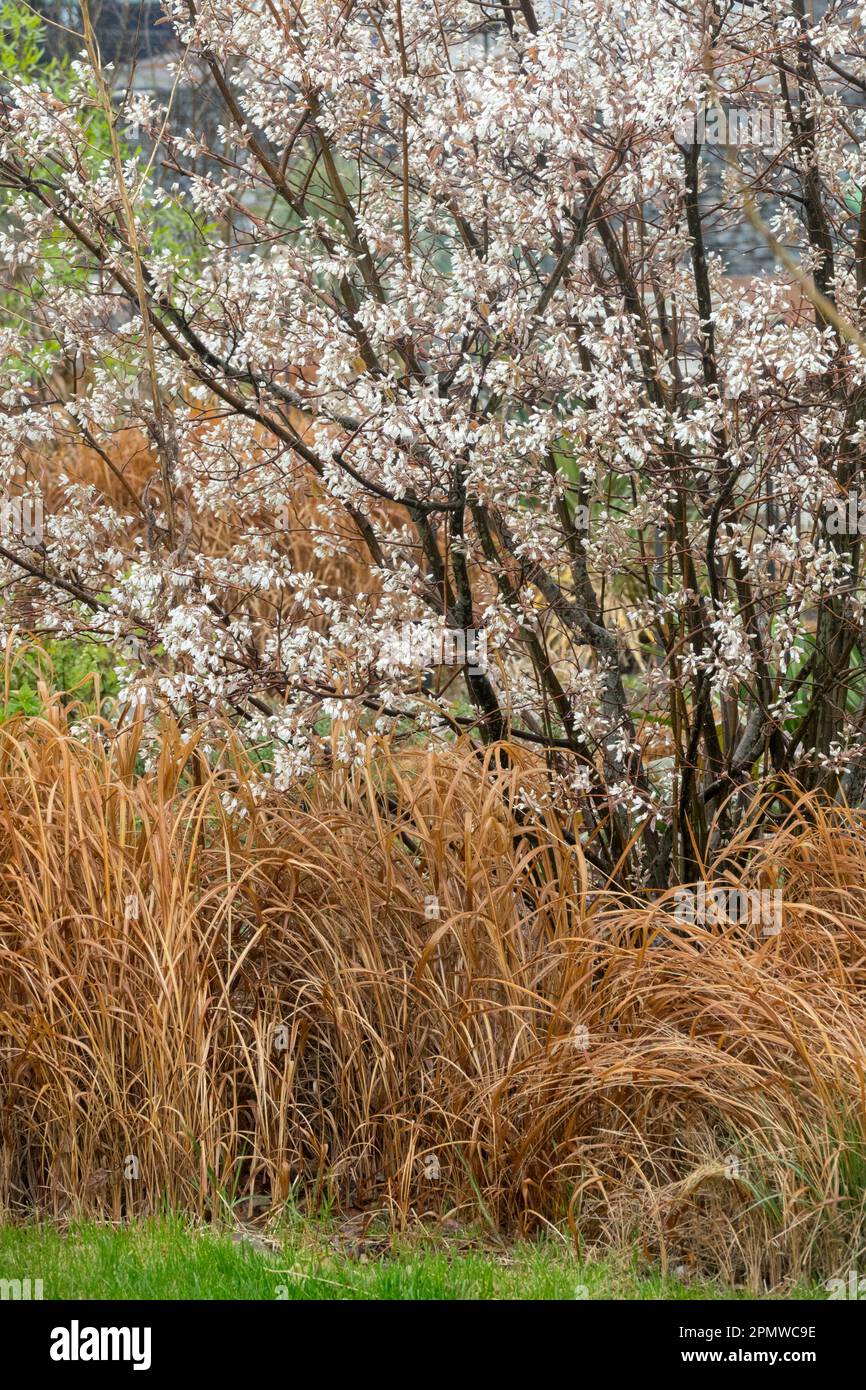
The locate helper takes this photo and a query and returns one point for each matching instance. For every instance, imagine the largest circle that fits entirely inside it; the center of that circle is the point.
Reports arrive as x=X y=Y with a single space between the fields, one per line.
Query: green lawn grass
x=172 y=1260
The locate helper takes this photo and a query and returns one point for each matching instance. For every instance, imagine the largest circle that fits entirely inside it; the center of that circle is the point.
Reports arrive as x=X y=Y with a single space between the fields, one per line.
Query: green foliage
x=23 y=699
x=78 y=665
x=171 y=1260
x=79 y=670
x=21 y=52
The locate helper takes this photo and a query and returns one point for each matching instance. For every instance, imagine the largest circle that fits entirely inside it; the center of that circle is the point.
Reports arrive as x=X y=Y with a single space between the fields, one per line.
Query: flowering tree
x=448 y=277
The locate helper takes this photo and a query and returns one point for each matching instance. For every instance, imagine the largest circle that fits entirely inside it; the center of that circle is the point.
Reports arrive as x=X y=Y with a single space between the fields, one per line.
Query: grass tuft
x=231 y=1002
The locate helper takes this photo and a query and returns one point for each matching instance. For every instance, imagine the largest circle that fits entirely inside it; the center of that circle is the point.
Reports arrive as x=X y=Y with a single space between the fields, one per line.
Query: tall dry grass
x=539 y=1052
